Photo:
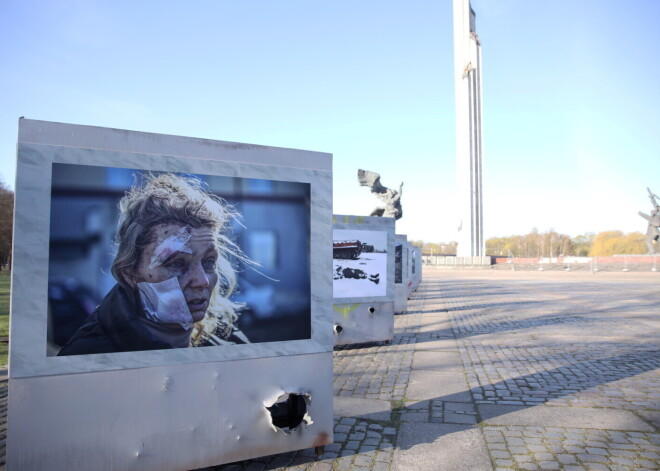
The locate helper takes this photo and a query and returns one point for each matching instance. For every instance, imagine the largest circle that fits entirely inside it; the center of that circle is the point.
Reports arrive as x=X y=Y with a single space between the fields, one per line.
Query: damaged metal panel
x=232 y=397
x=363 y=322
x=171 y=417
x=363 y=279
x=402 y=278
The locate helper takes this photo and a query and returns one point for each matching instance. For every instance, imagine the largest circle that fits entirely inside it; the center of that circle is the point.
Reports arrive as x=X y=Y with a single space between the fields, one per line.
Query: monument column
x=467 y=79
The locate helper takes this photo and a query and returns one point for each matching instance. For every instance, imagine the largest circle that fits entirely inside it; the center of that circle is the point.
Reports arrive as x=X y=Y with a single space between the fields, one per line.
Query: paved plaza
x=500 y=370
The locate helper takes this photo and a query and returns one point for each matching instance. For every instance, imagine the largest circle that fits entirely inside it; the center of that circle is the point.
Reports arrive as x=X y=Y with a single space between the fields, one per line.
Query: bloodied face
x=187 y=254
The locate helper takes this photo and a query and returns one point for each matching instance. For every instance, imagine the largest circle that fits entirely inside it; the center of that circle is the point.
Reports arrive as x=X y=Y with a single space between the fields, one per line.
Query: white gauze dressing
x=165 y=303
x=170 y=245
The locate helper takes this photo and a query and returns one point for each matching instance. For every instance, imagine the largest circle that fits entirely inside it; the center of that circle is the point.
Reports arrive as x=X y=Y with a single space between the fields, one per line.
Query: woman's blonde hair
x=174 y=199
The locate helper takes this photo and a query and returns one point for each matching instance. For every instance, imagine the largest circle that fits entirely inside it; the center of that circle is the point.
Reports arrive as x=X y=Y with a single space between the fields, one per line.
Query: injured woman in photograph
x=173 y=273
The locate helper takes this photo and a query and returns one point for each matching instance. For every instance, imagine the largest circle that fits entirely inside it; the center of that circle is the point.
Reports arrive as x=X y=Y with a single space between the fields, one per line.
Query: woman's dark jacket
x=116 y=326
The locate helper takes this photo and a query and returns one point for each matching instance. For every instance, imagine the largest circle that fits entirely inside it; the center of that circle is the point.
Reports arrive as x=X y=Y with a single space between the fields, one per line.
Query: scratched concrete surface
x=498 y=370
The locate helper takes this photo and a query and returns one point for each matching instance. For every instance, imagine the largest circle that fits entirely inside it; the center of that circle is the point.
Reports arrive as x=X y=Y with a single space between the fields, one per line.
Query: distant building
x=468 y=89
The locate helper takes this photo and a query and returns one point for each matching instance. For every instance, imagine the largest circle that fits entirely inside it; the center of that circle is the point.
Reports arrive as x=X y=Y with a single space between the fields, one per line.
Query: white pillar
x=468 y=89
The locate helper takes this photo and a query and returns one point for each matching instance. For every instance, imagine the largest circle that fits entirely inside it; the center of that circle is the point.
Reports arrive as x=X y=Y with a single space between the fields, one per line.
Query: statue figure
x=391 y=198
x=653 y=230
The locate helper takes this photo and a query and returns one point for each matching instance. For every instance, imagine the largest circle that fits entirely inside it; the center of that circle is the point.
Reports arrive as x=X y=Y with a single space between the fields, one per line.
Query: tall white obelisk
x=467 y=77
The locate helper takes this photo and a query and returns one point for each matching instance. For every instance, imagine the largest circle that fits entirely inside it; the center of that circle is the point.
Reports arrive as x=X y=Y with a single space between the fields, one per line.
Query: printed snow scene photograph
x=359 y=263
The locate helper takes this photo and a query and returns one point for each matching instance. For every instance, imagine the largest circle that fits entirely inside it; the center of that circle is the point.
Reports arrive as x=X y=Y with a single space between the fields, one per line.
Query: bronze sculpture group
x=653 y=229
x=391 y=198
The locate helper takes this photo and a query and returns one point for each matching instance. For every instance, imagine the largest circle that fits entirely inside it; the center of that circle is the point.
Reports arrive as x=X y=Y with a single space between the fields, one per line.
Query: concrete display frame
x=364 y=318
x=162 y=409
x=417 y=268
x=401 y=290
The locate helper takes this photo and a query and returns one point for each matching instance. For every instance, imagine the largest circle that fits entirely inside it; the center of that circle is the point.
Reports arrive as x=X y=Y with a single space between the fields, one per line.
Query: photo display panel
x=229 y=275
x=166 y=303
x=362 y=258
x=363 y=279
x=398 y=264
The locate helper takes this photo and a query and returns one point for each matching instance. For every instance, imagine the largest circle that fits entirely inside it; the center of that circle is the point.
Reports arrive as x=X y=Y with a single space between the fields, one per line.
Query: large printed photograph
x=359 y=263
x=398 y=264
x=143 y=260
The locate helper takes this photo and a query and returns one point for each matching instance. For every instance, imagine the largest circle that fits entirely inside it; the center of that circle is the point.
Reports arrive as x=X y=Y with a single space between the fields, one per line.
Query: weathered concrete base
x=545 y=416
x=440 y=446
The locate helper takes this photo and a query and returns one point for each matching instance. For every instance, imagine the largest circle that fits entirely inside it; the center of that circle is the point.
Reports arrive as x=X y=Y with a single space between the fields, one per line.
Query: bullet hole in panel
x=289 y=411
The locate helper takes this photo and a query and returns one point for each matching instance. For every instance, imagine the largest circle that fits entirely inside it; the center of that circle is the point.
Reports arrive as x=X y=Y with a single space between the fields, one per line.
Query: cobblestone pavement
x=374 y=371
x=495 y=370
x=549 y=370
x=588 y=347
x=520 y=447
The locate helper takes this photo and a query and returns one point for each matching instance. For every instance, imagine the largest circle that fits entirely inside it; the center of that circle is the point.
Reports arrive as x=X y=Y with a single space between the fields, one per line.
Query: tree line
x=436 y=248
x=551 y=244
x=6 y=223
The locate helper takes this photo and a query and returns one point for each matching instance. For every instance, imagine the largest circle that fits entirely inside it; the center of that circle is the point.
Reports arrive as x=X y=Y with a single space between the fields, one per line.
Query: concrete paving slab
x=429 y=323
x=445 y=385
x=442 y=360
x=547 y=416
x=417 y=405
x=435 y=345
x=373 y=409
x=440 y=446
x=430 y=316
x=436 y=332
x=651 y=416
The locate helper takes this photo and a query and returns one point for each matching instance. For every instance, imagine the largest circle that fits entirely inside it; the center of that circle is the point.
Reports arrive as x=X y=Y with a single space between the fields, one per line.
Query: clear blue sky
x=571 y=94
